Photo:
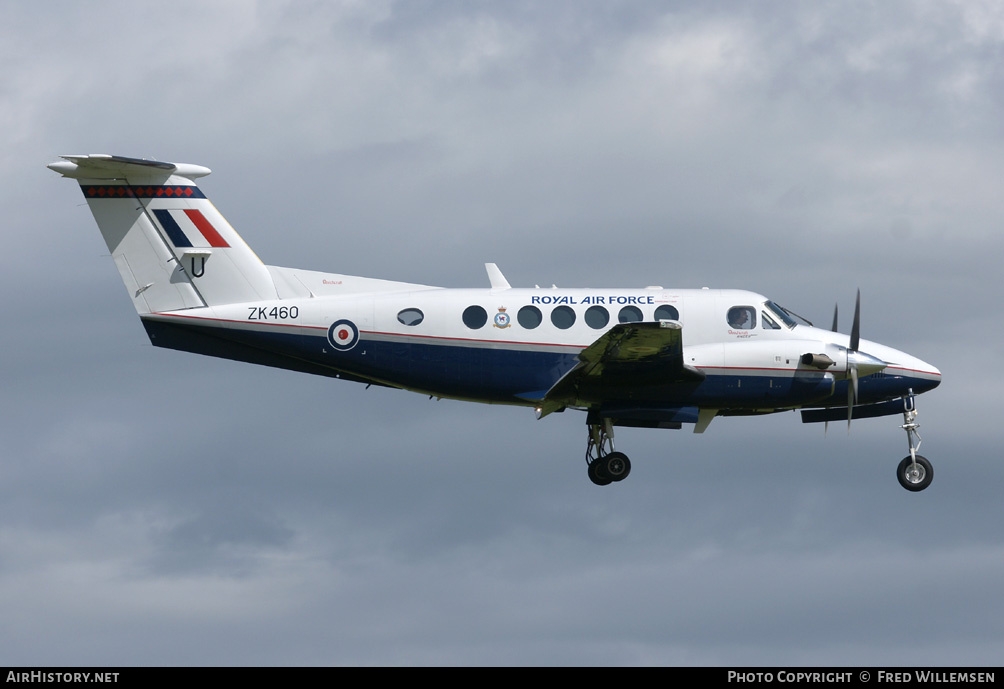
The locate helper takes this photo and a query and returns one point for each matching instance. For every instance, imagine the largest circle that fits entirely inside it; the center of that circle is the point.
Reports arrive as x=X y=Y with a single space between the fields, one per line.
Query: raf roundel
x=343 y=335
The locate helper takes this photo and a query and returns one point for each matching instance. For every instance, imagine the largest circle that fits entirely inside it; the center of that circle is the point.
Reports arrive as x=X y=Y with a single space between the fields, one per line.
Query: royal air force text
x=592 y=300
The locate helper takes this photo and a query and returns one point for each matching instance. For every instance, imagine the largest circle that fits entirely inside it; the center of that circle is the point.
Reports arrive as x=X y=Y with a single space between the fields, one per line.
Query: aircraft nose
x=910 y=371
x=926 y=377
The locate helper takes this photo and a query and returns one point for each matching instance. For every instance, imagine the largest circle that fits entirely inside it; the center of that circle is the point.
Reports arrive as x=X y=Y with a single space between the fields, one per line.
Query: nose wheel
x=915 y=473
x=605 y=465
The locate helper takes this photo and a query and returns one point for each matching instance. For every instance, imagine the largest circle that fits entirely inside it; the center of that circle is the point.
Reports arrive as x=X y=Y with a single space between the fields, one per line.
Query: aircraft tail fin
x=173 y=249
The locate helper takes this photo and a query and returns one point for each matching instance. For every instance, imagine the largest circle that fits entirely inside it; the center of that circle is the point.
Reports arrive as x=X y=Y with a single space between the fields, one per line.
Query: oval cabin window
x=411 y=316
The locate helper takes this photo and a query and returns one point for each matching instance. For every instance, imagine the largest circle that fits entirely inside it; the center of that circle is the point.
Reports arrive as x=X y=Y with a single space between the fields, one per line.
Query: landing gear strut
x=915 y=473
x=605 y=465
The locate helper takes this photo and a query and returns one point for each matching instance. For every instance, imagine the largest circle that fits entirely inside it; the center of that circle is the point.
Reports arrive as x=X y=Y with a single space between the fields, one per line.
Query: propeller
x=835 y=308
x=852 y=367
x=858 y=363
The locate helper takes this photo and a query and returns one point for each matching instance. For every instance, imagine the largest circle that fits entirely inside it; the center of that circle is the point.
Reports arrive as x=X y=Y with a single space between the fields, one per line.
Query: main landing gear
x=915 y=473
x=605 y=465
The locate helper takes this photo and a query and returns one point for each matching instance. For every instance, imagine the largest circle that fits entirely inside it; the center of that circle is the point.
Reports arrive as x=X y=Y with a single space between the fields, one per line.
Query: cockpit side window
x=768 y=322
x=742 y=317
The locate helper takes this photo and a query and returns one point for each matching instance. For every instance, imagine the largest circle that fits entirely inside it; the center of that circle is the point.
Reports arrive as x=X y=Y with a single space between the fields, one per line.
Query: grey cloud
x=159 y=508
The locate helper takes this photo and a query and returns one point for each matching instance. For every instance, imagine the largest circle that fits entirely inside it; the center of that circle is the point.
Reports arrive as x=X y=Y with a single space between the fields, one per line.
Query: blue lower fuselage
x=495 y=373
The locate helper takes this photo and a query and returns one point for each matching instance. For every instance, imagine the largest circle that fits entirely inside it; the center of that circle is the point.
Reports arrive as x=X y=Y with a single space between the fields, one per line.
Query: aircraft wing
x=628 y=355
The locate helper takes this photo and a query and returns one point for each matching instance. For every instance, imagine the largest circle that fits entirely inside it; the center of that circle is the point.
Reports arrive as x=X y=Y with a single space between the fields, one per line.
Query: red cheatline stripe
x=207 y=230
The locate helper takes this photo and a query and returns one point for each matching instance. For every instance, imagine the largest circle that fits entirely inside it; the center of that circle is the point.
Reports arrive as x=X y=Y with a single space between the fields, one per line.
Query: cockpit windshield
x=785 y=316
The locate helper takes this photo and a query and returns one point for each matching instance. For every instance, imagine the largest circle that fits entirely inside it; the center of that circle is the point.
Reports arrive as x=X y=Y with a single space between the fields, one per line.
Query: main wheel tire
x=915 y=478
x=617 y=466
x=597 y=473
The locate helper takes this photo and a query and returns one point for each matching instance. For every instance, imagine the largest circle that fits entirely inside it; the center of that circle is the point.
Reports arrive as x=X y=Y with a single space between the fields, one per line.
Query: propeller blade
x=856 y=326
x=852 y=393
x=834 y=328
x=852 y=368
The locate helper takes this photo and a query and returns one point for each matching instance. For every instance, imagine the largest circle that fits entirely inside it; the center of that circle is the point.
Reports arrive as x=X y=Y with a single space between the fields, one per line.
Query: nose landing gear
x=915 y=473
x=604 y=464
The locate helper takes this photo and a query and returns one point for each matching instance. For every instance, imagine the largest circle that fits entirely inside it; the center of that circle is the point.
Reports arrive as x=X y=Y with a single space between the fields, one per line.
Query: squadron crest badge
x=502 y=318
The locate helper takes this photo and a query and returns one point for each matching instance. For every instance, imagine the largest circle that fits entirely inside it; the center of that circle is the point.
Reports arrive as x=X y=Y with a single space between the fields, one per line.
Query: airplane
x=619 y=355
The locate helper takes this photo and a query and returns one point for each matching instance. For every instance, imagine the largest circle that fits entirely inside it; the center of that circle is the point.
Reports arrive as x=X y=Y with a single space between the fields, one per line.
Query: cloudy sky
x=164 y=508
